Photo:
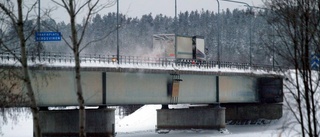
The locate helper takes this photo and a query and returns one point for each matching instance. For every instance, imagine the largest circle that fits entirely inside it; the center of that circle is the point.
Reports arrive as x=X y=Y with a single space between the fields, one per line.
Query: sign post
x=48 y=36
x=315 y=60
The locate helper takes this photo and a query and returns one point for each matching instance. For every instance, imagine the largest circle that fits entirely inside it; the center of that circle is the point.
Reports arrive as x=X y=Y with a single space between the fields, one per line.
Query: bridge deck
x=149 y=81
x=108 y=63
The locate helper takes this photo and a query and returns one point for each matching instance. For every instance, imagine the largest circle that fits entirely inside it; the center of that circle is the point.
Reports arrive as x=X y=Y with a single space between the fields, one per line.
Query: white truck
x=178 y=47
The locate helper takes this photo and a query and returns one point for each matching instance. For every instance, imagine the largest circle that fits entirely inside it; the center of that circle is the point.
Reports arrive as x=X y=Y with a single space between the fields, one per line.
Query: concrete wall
x=193 y=118
x=57 y=88
x=66 y=122
x=235 y=89
x=144 y=88
x=253 y=111
x=136 y=88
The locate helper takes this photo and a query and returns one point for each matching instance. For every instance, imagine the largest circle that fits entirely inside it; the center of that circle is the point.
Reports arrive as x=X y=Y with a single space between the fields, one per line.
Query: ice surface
x=142 y=123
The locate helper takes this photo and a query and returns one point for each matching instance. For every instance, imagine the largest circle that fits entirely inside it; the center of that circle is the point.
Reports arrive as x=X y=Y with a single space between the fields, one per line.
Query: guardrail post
x=121 y=59
x=112 y=59
x=70 y=57
x=49 y=57
x=44 y=56
x=132 y=59
x=141 y=60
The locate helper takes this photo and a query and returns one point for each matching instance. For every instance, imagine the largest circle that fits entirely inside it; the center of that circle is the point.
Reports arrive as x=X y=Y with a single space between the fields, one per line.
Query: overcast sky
x=137 y=8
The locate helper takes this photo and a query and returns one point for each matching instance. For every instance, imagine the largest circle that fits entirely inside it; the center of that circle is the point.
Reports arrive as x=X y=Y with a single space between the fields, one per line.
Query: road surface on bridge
x=60 y=61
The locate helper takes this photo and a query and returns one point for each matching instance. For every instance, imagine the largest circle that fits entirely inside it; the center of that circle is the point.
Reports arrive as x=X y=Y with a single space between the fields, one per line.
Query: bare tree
x=296 y=25
x=10 y=97
x=16 y=17
x=77 y=44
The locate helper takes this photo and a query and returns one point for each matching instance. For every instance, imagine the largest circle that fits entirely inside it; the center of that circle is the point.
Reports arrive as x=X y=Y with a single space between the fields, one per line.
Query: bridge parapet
x=51 y=60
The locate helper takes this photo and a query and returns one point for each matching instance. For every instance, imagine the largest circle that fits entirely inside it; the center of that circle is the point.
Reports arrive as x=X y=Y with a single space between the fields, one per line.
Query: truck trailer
x=177 y=47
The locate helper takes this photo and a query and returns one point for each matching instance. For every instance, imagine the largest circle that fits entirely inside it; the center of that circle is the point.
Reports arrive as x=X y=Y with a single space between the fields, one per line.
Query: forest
x=240 y=30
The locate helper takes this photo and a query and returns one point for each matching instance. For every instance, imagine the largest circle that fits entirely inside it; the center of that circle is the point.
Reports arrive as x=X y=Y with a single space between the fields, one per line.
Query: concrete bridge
x=141 y=80
x=147 y=80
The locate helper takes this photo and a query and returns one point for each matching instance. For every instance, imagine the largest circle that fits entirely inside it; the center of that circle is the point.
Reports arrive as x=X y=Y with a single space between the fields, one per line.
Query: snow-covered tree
x=296 y=25
x=19 y=40
x=77 y=42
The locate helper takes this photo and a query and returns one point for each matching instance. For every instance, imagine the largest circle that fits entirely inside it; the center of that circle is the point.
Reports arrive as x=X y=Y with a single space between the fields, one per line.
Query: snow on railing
x=54 y=58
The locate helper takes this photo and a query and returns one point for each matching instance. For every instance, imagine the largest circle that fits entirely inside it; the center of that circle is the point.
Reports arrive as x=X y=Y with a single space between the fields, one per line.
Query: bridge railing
x=64 y=58
x=151 y=61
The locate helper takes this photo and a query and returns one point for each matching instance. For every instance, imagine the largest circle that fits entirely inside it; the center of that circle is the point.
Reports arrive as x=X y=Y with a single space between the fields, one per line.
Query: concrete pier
x=57 y=123
x=253 y=111
x=191 y=118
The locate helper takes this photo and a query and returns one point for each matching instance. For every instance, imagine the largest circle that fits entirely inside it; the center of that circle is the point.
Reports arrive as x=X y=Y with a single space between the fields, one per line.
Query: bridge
x=140 y=80
x=150 y=80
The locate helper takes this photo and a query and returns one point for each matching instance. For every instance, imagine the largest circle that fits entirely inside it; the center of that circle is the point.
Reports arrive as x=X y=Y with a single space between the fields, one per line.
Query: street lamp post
x=217 y=77
x=273 y=47
x=175 y=9
x=38 y=22
x=250 y=31
x=118 y=31
x=218 y=20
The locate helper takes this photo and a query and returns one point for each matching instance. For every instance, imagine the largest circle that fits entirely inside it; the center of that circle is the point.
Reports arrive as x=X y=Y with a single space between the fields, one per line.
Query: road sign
x=315 y=60
x=48 y=36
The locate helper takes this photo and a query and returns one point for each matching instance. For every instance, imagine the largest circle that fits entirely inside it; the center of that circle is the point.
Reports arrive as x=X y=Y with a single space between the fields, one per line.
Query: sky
x=137 y=8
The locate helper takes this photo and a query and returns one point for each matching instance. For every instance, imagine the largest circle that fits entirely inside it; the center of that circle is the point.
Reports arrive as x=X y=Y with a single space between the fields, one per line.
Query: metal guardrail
x=54 y=57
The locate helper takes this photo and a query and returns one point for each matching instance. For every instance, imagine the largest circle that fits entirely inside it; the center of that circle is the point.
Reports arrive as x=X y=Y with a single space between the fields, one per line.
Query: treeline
x=239 y=29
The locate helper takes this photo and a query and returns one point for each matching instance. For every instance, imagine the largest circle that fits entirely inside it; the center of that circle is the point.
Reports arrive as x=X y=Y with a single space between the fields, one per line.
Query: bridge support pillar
x=191 y=118
x=55 y=123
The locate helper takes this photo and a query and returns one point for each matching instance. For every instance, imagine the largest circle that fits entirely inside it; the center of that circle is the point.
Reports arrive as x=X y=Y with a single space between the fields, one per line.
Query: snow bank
x=23 y=127
x=142 y=123
x=144 y=119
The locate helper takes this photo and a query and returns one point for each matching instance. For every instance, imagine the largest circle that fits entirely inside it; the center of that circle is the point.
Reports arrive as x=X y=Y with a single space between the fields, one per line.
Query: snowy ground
x=142 y=124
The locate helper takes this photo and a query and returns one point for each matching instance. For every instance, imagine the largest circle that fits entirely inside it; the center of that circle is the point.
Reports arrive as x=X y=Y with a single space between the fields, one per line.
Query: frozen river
x=142 y=124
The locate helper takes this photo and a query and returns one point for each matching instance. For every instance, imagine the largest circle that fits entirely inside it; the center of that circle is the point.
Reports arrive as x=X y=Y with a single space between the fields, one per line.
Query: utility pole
x=218 y=20
x=38 y=22
x=118 y=31
x=175 y=17
x=273 y=47
x=217 y=77
x=175 y=8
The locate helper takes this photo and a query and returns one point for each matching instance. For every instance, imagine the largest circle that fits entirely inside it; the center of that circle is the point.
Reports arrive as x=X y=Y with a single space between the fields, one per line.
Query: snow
x=143 y=64
x=142 y=123
x=143 y=119
x=23 y=127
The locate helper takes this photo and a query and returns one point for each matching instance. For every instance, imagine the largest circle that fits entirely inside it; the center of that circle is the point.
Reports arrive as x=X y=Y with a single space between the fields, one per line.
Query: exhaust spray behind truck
x=178 y=47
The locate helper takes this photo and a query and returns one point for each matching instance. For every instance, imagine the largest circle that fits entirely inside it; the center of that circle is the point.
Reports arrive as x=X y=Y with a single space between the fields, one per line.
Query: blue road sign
x=315 y=60
x=48 y=36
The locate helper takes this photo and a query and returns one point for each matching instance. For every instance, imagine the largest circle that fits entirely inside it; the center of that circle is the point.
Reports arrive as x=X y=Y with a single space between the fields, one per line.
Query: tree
x=77 y=44
x=15 y=17
x=296 y=25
